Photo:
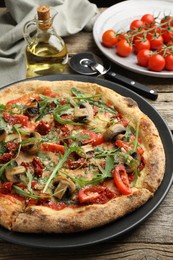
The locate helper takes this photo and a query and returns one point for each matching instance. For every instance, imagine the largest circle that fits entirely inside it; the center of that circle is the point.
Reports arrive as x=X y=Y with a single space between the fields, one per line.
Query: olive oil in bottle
x=46 y=52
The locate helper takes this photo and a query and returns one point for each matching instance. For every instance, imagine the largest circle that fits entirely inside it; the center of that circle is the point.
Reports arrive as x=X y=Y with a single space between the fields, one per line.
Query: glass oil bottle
x=46 y=52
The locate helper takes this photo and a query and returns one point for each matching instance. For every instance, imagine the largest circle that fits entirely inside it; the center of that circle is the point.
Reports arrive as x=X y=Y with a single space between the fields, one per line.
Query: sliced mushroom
x=63 y=186
x=113 y=131
x=131 y=167
x=2 y=134
x=13 y=174
x=32 y=146
x=86 y=151
x=83 y=113
x=33 y=109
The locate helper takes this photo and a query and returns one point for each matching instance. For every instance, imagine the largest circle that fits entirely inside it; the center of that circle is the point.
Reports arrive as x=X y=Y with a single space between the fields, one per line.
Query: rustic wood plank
x=106 y=251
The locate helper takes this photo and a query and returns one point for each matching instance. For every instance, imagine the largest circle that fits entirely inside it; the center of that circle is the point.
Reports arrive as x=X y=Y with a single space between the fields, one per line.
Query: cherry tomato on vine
x=156 y=42
x=166 y=21
x=148 y=19
x=135 y=24
x=109 y=38
x=141 y=44
x=169 y=62
x=124 y=48
x=167 y=35
x=156 y=62
x=143 y=57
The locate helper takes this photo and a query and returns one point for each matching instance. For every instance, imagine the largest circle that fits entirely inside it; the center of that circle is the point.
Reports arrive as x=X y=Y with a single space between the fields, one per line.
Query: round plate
x=119 y=17
x=122 y=225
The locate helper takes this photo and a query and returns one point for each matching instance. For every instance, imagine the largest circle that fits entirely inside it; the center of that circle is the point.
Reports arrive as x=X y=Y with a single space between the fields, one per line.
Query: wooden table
x=151 y=240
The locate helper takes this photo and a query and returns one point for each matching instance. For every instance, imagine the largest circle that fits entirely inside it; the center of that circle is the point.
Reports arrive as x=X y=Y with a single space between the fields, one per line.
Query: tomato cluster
x=150 y=38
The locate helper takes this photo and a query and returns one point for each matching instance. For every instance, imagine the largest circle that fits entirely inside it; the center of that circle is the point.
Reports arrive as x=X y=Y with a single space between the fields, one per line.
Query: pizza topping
x=13 y=173
x=32 y=144
x=13 y=119
x=53 y=138
x=113 y=131
x=95 y=194
x=121 y=179
x=83 y=113
x=62 y=186
x=43 y=128
x=33 y=109
x=86 y=151
x=2 y=134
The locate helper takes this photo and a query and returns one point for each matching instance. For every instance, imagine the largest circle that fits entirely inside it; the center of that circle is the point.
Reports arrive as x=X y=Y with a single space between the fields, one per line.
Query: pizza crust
x=9 y=209
x=44 y=219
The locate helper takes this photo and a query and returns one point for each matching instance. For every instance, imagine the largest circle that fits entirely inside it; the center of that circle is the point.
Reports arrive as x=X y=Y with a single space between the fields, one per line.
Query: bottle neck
x=45 y=25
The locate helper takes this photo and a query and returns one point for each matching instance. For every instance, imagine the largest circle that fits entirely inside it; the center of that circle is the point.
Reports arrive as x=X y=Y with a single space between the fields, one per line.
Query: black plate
x=122 y=225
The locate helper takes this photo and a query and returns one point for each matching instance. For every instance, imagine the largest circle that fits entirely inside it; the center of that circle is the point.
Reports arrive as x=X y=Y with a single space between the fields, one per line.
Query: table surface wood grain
x=151 y=240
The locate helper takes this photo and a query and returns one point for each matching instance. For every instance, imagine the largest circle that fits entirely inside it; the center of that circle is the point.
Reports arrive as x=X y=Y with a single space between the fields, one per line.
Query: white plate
x=118 y=17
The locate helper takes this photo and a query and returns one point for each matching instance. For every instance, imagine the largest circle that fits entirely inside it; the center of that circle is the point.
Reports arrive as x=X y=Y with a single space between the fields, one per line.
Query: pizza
x=73 y=156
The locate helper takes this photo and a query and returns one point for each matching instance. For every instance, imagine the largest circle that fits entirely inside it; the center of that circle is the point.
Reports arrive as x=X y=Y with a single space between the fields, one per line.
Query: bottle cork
x=43 y=12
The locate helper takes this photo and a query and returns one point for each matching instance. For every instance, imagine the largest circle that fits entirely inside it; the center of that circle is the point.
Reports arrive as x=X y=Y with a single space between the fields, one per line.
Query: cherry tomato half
x=95 y=194
x=51 y=147
x=93 y=138
x=121 y=179
x=109 y=38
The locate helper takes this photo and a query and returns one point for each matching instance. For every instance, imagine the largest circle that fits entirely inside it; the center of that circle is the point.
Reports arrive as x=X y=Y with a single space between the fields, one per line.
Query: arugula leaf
x=65 y=109
x=108 y=167
x=62 y=160
x=2 y=108
x=44 y=106
x=28 y=194
x=2 y=148
x=91 y=99
x=98 y=178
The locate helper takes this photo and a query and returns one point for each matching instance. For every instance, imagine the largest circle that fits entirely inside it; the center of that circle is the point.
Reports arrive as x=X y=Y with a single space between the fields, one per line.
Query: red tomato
x=169 y=62
x=95 y=194
x=143 y=57
x=122 y=144
x=156 y=42
x=53 y=147
x=121 y=179
x=95 y=139
x=148 y=19
x=122 y=36
x=135 y=24
x=13 y=119
x=139 y=35
x=156 y=62
x=167 y=35
x=167 y=21
x=155 y=29
x=6 y=187
x=124 y=48
x=109 y=38
x=141 y=44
